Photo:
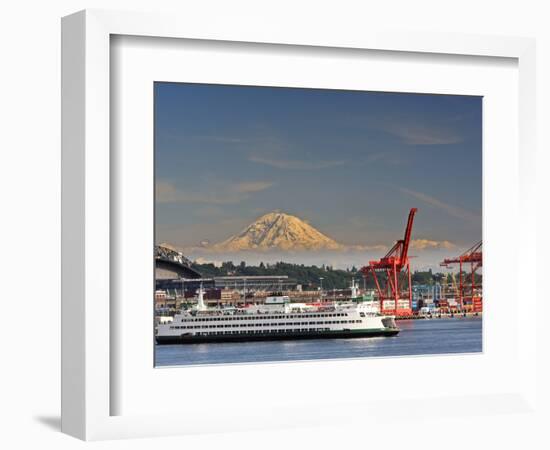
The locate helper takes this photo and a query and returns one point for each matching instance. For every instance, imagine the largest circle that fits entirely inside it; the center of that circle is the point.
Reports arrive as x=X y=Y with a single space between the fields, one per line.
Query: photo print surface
x=301 y=224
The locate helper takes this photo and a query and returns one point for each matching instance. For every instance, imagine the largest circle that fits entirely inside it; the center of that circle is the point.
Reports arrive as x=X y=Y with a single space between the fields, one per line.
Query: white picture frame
x=88 y=324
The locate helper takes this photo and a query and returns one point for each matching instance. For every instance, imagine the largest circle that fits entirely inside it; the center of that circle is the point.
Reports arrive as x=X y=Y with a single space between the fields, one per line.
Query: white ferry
x=277 y=319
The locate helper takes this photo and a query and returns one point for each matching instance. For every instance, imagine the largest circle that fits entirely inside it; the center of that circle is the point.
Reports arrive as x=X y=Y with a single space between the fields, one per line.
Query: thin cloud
x=223 y=139
x=375 y=247
x=454 y=211
x=253 y=186
x=387 y=157
x=295 y=164
x=427 y=244
x=167 y=192
x=418 y=134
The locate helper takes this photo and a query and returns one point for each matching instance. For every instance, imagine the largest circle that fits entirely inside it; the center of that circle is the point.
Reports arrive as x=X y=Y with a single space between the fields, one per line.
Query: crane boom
x=407 y=237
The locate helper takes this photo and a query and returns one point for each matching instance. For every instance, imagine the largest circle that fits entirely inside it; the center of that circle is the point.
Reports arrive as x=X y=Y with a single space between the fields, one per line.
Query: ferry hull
x=344 y=334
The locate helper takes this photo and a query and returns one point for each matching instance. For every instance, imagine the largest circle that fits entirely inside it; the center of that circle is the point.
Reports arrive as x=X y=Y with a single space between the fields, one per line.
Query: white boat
x=277 y=319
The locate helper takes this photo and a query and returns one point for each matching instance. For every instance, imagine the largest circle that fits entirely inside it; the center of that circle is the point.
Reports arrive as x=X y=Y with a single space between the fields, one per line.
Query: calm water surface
x=417 y=337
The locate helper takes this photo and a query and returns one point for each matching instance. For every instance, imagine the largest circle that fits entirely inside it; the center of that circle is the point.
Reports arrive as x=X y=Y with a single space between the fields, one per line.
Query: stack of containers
x=478 y=304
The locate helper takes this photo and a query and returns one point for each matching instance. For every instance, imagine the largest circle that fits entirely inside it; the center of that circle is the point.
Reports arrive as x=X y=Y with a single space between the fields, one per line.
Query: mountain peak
x=278 y=230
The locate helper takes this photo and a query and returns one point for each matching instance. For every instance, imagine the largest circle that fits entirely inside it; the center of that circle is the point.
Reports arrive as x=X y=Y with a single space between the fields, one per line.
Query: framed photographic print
x=253 y=217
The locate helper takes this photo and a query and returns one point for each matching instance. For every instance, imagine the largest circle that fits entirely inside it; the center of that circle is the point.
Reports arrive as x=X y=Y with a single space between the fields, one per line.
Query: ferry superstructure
x=277 y=319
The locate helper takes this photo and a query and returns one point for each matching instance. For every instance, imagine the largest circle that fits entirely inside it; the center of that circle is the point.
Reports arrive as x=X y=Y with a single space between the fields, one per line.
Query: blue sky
x=350 y=163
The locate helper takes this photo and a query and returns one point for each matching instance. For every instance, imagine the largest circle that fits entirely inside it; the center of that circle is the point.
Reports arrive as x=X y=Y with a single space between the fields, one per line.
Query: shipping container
x=388 y=304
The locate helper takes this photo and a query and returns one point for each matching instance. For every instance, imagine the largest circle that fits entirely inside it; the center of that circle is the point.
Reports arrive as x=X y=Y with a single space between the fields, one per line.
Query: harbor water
x=417 y=337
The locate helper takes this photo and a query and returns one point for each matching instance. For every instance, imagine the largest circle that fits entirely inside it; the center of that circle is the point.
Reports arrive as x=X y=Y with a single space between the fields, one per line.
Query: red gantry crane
x=392 y=275
x=469 y=292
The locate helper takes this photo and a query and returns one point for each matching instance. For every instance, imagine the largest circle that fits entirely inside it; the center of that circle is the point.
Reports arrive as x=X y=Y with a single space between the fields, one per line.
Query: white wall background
x=30 y=195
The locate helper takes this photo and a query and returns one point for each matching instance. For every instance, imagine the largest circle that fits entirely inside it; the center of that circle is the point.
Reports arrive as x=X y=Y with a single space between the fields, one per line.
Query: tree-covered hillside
x=309 y=276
